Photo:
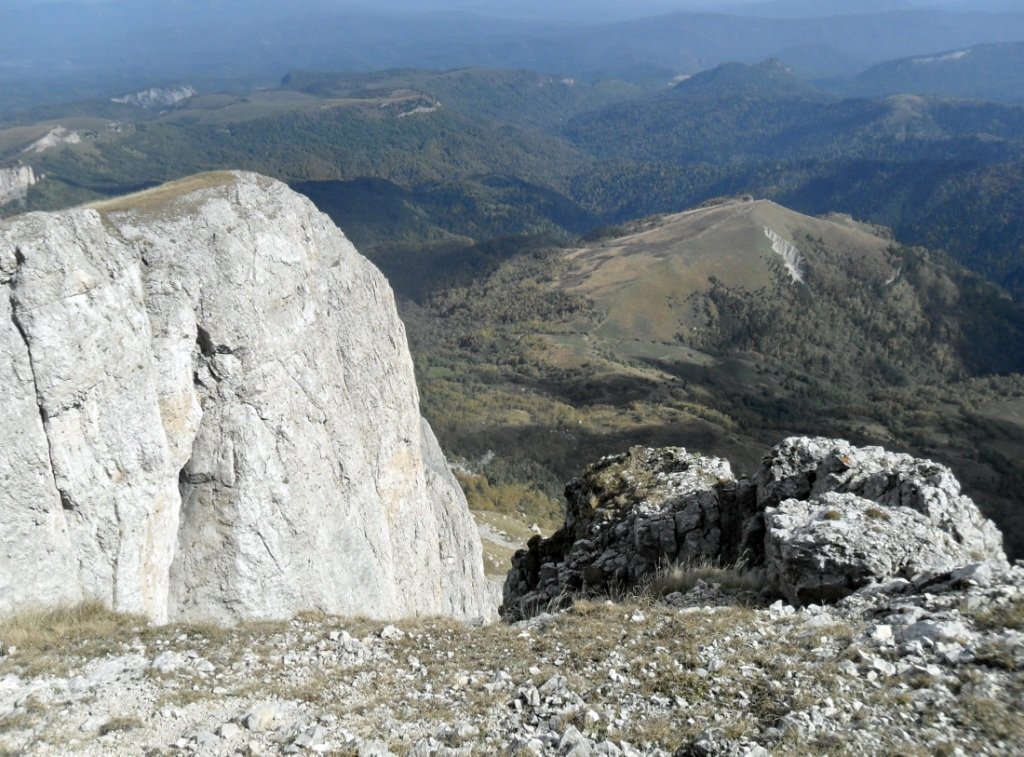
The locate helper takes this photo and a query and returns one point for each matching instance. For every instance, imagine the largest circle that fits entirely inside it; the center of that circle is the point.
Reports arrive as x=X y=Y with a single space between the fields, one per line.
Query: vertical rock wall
x=15 y=183
x=227 y=407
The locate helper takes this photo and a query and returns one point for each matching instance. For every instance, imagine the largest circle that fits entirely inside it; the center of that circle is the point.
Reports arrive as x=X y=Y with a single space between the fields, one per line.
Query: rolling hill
x=719 y=328
x=993 y=71
x=940 y=172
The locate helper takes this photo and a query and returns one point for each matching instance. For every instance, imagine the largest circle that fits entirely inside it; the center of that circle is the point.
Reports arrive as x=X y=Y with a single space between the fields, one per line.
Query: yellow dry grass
x=158 y=197
x=643 y=282
x=40 y=629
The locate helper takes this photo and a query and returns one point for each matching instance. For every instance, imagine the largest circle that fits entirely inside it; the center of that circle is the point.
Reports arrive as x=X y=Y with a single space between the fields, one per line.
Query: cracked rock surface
x=818 y=520
x=210 y=413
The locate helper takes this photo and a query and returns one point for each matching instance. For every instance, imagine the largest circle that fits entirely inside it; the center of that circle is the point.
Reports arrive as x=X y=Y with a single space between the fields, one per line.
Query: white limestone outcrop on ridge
x=55 y=137
x=790 y=254
x=15 y=183
x=156 y=97
x=211 y=414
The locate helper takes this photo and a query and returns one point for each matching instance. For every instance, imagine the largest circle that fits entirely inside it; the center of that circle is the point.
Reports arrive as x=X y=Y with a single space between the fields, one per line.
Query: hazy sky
x=621 y=7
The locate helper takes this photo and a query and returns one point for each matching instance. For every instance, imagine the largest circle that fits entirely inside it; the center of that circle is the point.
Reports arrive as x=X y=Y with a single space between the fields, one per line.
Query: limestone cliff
x=15 y=183
x=211 y=414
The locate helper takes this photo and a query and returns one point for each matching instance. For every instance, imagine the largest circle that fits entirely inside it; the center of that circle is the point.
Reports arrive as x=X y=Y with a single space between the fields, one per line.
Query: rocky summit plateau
x=210 y=414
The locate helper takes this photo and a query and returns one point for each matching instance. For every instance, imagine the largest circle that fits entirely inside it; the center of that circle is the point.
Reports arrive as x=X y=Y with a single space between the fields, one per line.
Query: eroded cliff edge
x=210 y=413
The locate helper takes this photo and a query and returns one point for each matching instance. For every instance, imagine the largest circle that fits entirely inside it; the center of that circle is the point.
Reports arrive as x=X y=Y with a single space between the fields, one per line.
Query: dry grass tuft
x=43 y=637
x=1008 y=616
x=682 y=577
x=1000 y=721
x=40 y=630
x=120 y=723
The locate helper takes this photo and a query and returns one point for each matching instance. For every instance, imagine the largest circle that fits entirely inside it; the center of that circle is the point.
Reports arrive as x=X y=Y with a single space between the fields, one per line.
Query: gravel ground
x=928 y=668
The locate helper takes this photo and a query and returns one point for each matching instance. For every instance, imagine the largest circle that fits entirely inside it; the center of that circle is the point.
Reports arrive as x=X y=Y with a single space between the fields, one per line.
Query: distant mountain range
x=445 y=158
x=738 y=112
x=69 y=50
x=982 y=72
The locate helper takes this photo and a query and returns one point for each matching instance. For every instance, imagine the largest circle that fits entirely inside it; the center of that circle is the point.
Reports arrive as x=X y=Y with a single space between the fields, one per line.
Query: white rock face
x=156 y=97
x=790 y=254
x=15 y=183
x=58 y=135
x=213 y=415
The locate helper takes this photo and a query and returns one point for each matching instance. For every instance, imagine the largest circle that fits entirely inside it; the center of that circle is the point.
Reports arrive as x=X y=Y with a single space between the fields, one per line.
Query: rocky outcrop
x=791 y=256
x=55 y=137
x=15 y=183
x=838 y=517
x=626 y=516
x=156 y=97
x=211 y=414
x=819 y=520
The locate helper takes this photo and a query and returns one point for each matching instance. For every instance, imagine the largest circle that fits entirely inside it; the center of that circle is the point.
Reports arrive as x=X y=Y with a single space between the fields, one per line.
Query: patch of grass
x=998 y=656
x=43 y=628
x=120 y=723
x=682 y=577
x=189 y=691
x=877 y=514
x=158 y=197
x=17 y=722
x=43 y=637
x=997 y=720
x=996 y=618
x=656 y=731
x=832 y=515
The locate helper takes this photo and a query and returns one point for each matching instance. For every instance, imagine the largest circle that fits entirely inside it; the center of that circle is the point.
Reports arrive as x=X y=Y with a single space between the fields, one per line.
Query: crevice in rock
x=206 y=345
x=67 y=503
x=204 y=341
x=812 y=479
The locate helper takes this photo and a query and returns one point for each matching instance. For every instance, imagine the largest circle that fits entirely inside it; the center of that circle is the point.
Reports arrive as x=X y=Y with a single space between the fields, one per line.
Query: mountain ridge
x=690 y=329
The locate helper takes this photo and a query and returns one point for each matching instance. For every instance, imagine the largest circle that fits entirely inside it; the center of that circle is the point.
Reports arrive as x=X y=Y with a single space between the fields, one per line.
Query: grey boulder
x=860 y=515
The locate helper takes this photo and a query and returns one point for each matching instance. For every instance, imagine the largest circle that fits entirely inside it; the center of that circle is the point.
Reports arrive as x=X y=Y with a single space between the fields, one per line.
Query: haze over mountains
x=992 y=71
x=603 y=227
x=474 y=154
x=60 y=51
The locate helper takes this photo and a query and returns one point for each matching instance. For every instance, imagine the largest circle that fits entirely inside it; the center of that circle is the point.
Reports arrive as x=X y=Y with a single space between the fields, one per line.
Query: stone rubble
x=931 y=666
